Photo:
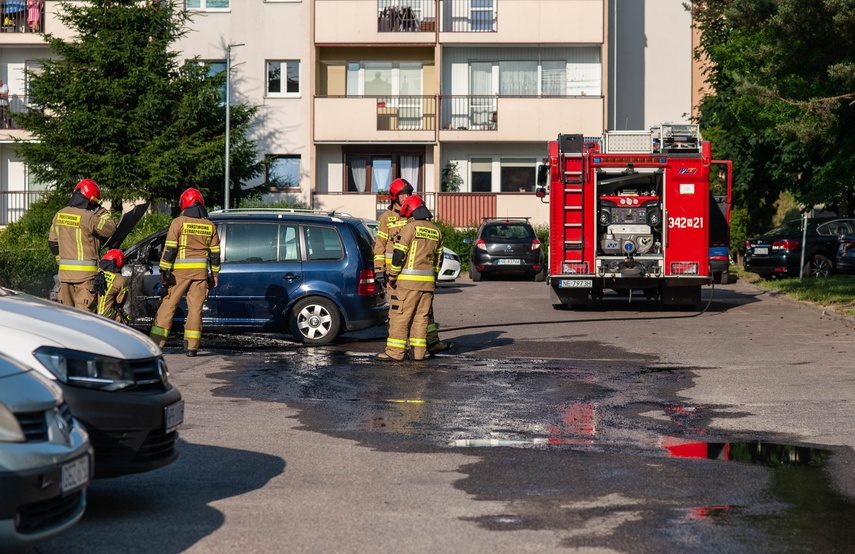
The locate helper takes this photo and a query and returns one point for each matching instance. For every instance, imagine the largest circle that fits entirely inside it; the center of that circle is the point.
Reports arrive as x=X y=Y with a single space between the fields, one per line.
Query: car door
x=260 y=274
x=142 y=269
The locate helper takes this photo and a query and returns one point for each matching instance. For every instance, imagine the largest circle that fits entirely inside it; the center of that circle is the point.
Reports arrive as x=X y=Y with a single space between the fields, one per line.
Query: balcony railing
x=457 y=16
x=469 y=113
x=407 y=16
x=413 y=113
x=13 y=204
x=22 y=16
x=14 y=103
x=469 y=16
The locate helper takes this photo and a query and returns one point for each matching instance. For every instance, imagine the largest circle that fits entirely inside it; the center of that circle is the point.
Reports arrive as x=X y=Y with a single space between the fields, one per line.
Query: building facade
x=355 y=93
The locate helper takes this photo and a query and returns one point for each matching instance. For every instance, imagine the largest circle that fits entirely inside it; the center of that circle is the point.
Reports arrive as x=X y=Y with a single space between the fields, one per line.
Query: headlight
x=10 y=429
x=84 y=369
x=448 y=256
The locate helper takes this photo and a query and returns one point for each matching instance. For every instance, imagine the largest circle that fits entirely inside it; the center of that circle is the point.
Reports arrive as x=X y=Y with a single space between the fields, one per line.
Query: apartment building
x=355 y=93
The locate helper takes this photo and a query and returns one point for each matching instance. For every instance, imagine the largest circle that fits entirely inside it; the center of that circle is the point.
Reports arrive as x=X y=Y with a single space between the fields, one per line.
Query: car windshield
x=508 y=231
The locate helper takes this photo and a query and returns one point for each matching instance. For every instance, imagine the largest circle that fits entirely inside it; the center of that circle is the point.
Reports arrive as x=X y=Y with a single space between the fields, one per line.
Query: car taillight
x=718 y=258
x=535 y=244
x=846 y=245
x=480 y=244
x=788 y=245
x=366 y=283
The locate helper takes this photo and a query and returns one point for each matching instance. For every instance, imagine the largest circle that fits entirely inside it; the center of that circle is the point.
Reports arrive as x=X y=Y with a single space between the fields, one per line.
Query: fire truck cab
x=630 y=212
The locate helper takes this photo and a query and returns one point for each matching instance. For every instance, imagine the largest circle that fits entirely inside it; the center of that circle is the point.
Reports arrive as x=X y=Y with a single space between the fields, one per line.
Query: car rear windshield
x=508 y=231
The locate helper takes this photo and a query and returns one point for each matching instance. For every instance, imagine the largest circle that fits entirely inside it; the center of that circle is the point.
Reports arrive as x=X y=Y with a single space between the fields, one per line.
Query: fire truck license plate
x=574 y=283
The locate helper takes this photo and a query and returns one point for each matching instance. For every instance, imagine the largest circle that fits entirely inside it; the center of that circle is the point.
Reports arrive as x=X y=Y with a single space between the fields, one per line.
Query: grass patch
x=836 y=293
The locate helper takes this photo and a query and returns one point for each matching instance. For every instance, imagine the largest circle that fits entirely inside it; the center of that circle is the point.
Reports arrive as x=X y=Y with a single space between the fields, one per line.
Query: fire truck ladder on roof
x=573 y=165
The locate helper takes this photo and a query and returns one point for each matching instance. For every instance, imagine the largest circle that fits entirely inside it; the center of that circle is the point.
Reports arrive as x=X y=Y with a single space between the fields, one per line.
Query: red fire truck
x=631 y=212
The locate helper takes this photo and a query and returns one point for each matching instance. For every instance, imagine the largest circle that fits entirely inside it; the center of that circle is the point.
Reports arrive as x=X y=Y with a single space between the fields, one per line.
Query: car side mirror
x=467 y=240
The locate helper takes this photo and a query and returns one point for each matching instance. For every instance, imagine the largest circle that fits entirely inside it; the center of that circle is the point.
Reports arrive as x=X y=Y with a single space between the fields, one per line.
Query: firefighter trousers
x=433 y=339
x=78 y=295
x=408 y=320
x=197 y=292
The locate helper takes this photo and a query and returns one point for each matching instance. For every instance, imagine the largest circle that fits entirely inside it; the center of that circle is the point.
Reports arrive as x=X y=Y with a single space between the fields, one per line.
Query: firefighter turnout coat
x=192 y=247
x=75 y=240
x=390 y=224
x=415 y=263
x=110 y=303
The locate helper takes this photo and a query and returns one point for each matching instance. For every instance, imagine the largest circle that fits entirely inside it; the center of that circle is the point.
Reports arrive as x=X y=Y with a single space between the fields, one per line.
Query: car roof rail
x=331 y=213
x=519 y=218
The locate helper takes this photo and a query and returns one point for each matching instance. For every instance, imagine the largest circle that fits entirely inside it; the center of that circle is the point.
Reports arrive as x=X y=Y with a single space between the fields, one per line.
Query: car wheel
x=315 y=320
x=474 y=274
x=540 y=276
x=819 y=266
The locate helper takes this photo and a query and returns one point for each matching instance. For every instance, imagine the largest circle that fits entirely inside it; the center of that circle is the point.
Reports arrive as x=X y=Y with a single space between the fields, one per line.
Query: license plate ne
x=762 y=251
x=575 y=283
x=507 y=261
x=174 y=415
x=75 y=474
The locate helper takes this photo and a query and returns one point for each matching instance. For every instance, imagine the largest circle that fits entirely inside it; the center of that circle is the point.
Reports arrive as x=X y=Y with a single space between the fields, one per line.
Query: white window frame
x=283 y=79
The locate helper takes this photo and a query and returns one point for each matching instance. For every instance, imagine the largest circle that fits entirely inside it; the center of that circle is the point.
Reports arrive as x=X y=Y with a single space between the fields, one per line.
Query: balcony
x=375 y=118
x=15 y=103
x=375 y=22
x=354 y=22
x=22 y=16
x=13 y=204
x=461 y=118
x=514 y=119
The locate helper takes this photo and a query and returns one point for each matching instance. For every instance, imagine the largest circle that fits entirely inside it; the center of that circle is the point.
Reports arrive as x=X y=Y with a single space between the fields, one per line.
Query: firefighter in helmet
x=412 y=277
x=75 y=238
x=390 y=224
x=111 y=287
x=192 y=247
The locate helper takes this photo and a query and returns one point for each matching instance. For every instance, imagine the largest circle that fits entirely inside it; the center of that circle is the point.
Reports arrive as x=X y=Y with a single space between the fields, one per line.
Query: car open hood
x=56 y=325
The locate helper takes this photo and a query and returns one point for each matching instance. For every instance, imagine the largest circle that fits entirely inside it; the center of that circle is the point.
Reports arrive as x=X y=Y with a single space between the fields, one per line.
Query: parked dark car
x=113 y=378
x=506 y=246
x=307 y=274
x=846 y=255
x=720 y=264
x=778 y=252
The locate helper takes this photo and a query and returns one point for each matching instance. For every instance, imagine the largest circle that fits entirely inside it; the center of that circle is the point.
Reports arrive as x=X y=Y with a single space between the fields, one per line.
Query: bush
x=453 y=238
x=26 y=263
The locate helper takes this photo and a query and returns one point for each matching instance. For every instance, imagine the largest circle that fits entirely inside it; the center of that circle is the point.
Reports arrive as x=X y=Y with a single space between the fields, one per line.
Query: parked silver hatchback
x=45 y=459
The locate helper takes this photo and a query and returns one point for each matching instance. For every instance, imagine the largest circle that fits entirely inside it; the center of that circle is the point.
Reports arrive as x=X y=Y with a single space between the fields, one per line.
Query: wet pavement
x=599 y=453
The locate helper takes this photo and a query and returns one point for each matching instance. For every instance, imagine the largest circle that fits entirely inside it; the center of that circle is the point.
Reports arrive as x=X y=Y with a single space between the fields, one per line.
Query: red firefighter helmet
x=90 y=190
x=115 y=255
x=410 y=205
x=398 y=186
x=189 y=197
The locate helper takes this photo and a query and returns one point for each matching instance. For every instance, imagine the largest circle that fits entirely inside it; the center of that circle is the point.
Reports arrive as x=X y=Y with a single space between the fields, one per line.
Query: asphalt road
x=602 y=430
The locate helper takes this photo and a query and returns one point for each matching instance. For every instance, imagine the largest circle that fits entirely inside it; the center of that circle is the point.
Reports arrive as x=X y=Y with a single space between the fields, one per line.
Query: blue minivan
x=305 y=273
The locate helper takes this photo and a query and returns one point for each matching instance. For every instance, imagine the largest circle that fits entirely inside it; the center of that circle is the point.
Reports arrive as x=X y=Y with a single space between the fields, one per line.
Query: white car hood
x=27 y=322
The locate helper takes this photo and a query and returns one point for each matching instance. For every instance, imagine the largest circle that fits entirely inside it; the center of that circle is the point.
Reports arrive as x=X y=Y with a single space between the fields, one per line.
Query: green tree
x=117 y=105
x=783 y=76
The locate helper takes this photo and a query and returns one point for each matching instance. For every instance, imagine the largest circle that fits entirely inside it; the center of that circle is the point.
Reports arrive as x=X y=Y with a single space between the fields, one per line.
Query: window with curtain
x=373 y=172
x=518 y=78
x=518 y=174
x=384 y=78
x=553 y=78
x=283 y=78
